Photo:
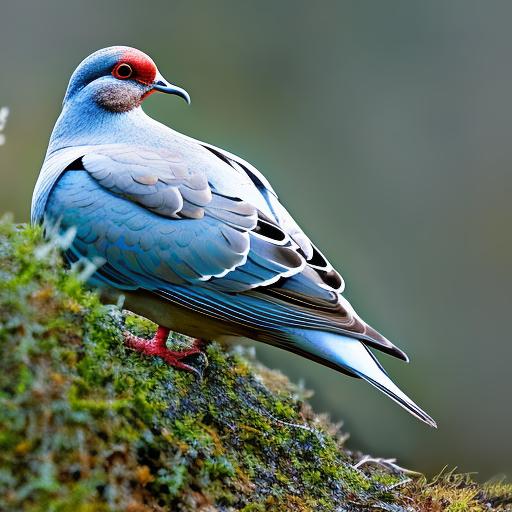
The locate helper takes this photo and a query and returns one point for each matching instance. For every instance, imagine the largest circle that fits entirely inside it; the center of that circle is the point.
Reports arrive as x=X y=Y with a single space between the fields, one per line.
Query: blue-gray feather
x=198 y=228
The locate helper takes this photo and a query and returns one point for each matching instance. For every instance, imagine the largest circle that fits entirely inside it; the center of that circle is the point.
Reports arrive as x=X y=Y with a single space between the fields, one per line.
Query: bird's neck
x=86 y=123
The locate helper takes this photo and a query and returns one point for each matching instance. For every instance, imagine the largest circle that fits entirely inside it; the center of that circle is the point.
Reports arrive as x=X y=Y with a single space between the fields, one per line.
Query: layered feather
x=198 y=228
x=136 y=209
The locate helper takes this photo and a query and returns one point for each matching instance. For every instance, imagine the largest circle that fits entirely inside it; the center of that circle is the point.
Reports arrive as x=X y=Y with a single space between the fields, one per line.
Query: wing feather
x=164 y=227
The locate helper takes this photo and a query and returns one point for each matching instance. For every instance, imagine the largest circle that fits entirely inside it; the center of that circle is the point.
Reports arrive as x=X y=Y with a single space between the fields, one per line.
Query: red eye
x=123 y=71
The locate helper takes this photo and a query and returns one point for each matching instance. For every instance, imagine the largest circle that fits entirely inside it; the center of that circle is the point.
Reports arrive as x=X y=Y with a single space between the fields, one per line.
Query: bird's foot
x=157 y=346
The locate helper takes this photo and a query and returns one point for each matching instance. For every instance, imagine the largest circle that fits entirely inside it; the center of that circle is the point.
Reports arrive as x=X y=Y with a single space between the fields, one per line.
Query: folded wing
x=164 y=226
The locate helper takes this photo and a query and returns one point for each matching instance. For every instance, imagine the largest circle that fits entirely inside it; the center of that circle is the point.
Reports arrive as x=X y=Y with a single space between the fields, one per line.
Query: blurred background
x=386 y=129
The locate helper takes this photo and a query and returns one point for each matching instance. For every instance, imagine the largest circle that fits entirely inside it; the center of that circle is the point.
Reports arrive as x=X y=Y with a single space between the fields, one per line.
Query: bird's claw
x=157 y=347
x=198 y=369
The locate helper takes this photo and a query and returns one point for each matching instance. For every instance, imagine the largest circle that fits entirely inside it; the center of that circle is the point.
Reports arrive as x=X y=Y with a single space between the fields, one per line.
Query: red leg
x=157 y=346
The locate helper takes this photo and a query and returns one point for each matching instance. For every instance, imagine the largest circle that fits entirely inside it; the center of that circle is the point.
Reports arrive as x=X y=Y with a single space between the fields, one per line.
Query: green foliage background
x=385 y=127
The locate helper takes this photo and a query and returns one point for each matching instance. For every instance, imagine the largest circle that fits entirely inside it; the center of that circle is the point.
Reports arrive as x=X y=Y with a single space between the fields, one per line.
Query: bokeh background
x=386 y=129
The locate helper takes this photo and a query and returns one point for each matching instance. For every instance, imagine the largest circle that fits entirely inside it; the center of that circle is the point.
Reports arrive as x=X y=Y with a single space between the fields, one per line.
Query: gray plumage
x=194 y=236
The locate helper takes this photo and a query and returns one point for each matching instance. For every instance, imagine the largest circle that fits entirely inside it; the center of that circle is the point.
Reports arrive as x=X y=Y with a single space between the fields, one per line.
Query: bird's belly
x=173 y=316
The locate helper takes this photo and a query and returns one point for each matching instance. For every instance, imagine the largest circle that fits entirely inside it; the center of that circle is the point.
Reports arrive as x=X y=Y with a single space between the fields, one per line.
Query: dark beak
x=162 y=85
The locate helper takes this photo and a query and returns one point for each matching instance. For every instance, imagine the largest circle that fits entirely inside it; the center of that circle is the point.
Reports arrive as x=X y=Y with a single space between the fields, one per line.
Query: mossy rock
x=88 y=425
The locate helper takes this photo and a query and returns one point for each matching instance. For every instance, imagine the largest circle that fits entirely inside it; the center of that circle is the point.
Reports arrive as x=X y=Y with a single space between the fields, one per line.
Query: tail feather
x=352 y=356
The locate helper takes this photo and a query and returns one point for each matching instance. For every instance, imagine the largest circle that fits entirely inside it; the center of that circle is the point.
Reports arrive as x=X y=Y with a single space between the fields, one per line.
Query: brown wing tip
x=377 y=340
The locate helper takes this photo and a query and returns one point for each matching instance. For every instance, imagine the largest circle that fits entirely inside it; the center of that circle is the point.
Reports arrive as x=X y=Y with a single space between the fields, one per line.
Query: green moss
x=454 y=492
x=88 y=425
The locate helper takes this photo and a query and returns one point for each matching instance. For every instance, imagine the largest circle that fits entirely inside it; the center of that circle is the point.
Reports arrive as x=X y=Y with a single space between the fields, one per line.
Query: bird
x=194 y=237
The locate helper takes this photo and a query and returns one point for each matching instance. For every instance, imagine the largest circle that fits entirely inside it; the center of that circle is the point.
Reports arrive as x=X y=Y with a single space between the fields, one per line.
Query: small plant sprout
x=4 y=114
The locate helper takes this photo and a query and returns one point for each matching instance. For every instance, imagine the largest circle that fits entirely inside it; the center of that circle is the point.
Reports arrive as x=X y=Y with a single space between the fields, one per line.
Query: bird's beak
x=162 y=85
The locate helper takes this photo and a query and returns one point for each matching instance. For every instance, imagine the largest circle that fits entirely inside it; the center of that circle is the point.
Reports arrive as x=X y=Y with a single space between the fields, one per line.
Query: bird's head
x=118 y=79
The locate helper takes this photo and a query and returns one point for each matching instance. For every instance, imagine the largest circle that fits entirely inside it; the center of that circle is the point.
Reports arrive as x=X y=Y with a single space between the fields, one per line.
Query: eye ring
x=123 y=71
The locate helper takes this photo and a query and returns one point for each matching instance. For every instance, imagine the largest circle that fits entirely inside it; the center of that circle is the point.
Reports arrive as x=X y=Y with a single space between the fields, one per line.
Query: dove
x=195 y=238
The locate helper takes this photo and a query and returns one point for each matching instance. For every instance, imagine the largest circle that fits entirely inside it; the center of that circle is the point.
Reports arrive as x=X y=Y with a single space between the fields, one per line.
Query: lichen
x=88 y=425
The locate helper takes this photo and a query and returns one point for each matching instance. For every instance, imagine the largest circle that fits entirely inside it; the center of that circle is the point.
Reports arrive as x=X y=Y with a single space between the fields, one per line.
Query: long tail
x=351 y=356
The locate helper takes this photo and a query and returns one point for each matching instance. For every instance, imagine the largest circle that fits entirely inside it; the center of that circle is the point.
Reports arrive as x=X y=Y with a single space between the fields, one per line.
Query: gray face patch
x=120 y=96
